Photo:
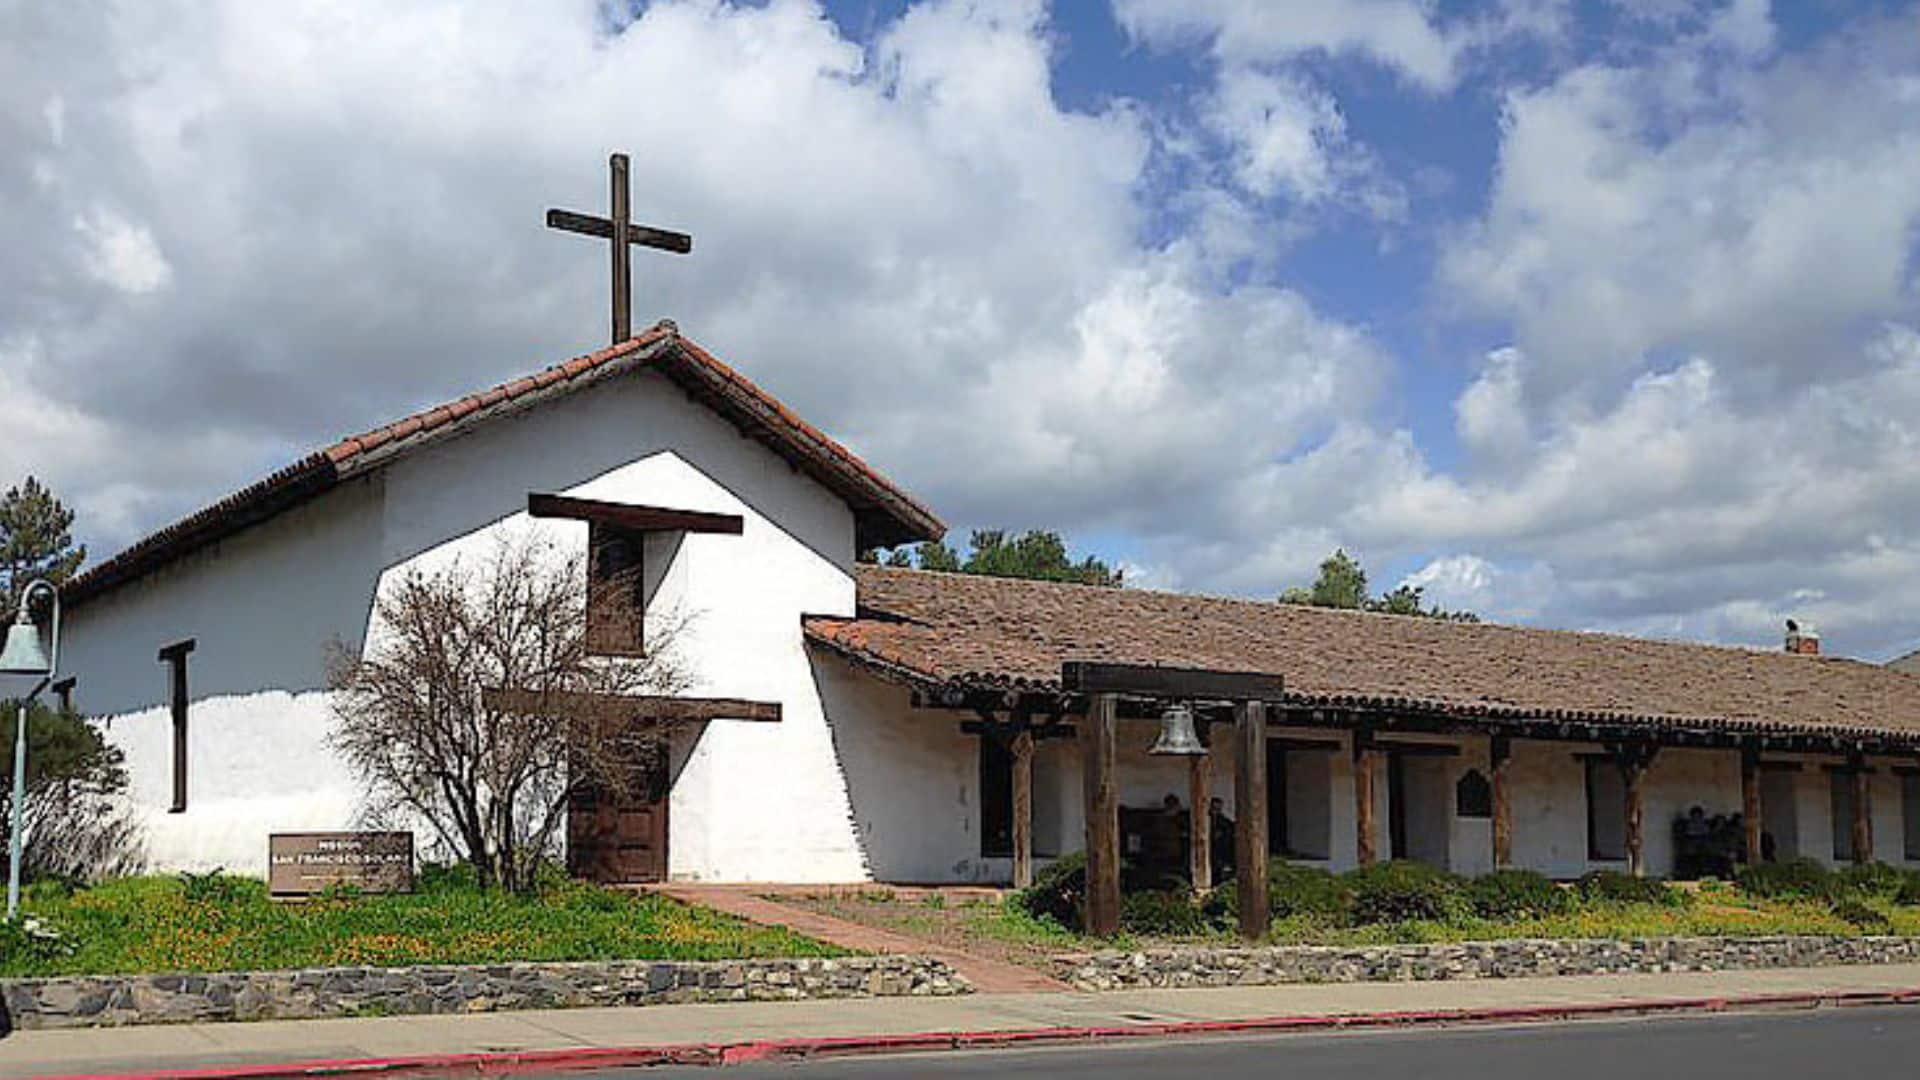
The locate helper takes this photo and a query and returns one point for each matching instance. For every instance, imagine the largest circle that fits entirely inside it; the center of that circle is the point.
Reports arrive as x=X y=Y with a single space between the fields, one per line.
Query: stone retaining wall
x=1204 y=966
x=109 y=1001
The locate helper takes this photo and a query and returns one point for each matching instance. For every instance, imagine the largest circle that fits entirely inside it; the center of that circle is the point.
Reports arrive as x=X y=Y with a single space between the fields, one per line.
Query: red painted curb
x=757 y=1050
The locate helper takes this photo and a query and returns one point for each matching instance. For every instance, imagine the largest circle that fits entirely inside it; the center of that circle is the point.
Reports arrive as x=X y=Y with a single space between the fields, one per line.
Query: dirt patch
x=978 y=926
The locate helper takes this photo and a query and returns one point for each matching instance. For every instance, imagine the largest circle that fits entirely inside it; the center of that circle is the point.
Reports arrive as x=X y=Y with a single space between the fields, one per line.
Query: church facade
x=919 y=729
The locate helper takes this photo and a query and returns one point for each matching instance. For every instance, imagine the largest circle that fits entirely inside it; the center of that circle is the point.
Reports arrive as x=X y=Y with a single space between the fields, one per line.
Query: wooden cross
x=621 y=233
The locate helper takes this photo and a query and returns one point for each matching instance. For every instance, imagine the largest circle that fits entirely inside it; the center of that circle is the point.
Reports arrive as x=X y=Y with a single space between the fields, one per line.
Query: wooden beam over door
x=1101 y=792
x=641 y=707
x=634 y=517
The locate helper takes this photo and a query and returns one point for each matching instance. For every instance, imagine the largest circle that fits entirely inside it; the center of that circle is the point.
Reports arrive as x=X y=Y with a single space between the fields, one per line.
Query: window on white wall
x=616 y=604
x=1606 y=811
x=175 y=657
x=996 y=799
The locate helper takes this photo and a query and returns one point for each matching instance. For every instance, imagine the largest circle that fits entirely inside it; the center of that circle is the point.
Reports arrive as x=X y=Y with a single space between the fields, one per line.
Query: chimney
x=1802 y=640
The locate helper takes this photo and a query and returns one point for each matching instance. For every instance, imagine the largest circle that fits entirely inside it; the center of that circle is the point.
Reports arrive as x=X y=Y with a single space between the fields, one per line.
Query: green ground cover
x=1410 y=902
x=148 y=924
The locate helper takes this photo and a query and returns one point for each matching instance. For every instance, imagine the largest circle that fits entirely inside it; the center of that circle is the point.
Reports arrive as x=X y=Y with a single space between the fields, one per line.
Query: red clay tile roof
x=934 y=630
x=884 y=515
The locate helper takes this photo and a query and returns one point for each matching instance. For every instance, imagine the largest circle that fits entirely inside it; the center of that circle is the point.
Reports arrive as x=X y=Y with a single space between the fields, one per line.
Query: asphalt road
x=1876 y=1042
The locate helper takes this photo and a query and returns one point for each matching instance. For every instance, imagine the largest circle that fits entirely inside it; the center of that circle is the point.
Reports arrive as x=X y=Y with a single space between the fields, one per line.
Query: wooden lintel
x=1306 y=745
x=1040 y=732
x=1413 y=749
x=1147 y=680
x=632 y=516
x=641 y=707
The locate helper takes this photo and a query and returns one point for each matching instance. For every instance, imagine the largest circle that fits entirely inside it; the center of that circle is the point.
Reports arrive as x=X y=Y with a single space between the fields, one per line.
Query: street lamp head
x=26 y=651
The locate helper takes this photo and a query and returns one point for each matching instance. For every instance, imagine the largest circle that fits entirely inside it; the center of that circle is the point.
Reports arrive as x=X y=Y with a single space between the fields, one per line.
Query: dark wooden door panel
x=619 y=838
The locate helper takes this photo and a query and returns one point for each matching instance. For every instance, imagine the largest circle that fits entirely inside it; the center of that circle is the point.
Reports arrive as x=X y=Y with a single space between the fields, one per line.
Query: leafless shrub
x=420 y=714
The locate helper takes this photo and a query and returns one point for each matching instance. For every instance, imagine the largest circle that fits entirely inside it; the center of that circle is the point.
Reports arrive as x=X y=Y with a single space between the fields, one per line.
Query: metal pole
x=19 y=811
x=16 y=841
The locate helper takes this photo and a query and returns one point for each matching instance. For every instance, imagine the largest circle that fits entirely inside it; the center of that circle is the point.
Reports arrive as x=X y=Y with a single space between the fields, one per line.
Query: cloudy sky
x=1594 y=314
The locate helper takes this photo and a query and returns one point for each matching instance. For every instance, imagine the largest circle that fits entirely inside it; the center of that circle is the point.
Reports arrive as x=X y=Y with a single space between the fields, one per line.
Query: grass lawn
x=1003 y=930
x=152 y=924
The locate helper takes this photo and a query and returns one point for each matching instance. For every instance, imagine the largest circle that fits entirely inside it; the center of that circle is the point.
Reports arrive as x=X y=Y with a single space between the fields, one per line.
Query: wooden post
x=1200 y=822
x=1022 y=749
x=1499 y=754
x=1862 y=810
x=1102 y=802
x=1250 y=820
x=1633 y=770
x=622 y=257
x=1752 y=813
x=1364 y=830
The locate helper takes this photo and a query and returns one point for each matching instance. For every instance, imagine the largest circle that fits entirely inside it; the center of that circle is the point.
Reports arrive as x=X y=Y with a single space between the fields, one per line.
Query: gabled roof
x=884 y=515
x=939 y=630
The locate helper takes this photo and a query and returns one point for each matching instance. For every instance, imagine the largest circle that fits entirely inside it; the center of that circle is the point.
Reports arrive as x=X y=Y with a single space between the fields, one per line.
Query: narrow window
x=175 y=656
x=1606 y=811
x=615 y=591
x=1910 y=814
x=1840 y=785
x=1473 y=795
x=996 y=799
x=1279 y=835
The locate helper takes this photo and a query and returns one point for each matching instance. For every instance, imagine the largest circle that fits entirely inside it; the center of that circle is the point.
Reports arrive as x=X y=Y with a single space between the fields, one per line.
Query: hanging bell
x=1177 y=737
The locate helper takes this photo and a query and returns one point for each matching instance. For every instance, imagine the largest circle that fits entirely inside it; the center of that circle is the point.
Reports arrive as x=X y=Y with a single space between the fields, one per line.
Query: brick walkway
x=746 y=901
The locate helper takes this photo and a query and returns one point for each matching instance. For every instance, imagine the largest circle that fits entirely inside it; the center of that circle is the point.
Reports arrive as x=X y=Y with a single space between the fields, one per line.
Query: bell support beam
x=1250 y=819
x=1200 y=821
x=1100 y=791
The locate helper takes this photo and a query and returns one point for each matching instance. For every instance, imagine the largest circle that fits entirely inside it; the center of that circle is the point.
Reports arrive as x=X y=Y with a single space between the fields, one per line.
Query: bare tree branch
x=412 y=713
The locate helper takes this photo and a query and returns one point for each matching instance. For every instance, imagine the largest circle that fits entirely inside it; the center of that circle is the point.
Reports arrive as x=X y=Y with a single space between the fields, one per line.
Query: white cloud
x=1402 y=35
x=914 y=244
x=121 y=253
x=1702 y=204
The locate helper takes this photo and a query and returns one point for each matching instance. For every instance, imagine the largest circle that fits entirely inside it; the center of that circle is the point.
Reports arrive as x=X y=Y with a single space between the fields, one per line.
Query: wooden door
x=618 y=837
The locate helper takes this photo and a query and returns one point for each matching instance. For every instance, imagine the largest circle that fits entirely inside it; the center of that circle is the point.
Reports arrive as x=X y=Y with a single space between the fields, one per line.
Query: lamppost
x=26 y=654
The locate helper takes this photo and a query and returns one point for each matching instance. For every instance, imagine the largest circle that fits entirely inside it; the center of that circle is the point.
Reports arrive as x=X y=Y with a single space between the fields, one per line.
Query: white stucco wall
x=750 y=801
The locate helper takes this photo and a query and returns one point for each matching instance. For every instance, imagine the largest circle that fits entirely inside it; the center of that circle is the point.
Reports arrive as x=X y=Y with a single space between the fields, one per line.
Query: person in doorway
x=1220 y=832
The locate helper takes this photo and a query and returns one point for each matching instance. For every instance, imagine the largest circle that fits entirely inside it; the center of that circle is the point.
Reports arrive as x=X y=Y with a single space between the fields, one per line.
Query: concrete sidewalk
x=145 y=1050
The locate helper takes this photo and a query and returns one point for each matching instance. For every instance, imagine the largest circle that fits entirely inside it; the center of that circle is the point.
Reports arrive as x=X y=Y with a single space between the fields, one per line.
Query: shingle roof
x=942 y=629
x=884 y=514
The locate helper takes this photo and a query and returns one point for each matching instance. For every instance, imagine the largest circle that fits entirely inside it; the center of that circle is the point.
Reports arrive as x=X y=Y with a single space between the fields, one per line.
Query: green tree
x=934 y=555
x=1343 y=584
x=75 y=828
x=1036 y=554
x=36 y=540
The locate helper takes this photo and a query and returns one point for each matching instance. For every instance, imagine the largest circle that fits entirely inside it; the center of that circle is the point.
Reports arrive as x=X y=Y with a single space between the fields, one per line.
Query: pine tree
x=36 y=540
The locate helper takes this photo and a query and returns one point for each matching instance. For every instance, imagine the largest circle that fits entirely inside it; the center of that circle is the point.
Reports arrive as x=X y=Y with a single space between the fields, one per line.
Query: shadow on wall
x=911 y=779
